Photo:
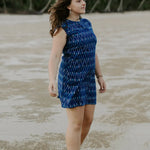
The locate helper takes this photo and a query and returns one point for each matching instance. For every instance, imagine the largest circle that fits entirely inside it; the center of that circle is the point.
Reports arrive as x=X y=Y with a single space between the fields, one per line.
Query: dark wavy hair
x=58 y=13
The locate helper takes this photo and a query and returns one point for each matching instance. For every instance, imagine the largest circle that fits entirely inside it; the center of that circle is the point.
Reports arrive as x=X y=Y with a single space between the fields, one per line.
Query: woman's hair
x=58 y=13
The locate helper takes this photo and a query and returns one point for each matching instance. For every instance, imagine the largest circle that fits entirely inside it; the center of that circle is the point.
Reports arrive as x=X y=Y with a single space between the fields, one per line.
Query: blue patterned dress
x=76 y=76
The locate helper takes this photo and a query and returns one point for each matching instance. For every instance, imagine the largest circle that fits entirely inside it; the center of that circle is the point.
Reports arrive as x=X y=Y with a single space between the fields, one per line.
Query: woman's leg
x=87 y=120
x=73 y=134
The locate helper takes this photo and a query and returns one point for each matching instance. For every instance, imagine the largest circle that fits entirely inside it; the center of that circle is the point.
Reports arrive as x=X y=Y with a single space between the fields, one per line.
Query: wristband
x=99 y=76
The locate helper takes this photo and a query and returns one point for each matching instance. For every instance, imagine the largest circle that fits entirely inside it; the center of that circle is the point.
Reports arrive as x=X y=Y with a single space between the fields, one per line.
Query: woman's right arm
x=58 y=43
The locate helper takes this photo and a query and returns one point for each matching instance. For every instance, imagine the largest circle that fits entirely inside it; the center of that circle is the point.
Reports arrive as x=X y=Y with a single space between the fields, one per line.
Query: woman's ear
x=69 y=7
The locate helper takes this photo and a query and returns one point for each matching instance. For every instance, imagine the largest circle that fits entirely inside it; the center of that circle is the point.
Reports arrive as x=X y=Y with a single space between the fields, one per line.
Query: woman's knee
x=88 y=120
x=76 y=125
x=75 y=117
x=89 y=114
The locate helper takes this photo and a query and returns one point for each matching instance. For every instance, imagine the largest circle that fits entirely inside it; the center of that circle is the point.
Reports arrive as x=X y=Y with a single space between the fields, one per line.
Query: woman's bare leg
x=73 y=134
x=87 y=120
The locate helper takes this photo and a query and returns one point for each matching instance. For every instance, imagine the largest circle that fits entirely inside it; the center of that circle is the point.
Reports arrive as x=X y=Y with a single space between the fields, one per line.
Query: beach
x=30 y=119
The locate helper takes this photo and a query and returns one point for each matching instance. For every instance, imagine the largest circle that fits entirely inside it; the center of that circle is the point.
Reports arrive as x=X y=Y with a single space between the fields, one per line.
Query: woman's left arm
x=99 y=75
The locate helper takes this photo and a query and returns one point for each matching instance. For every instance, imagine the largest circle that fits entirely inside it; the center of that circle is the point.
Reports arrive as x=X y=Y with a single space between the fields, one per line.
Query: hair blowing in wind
x=58 y=13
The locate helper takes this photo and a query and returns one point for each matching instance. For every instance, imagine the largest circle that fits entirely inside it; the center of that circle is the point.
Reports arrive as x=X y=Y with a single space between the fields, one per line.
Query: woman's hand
x=52 y=88
x=102 y=84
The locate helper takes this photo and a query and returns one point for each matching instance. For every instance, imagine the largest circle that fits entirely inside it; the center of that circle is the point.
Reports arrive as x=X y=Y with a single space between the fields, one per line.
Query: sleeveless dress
x=76 y=76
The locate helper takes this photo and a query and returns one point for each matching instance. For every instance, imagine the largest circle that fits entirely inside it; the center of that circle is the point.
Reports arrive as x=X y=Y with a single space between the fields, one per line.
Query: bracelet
x=99 y=76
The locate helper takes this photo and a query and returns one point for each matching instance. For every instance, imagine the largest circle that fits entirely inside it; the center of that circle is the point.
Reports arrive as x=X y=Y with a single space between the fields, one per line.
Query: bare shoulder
x=60 y=33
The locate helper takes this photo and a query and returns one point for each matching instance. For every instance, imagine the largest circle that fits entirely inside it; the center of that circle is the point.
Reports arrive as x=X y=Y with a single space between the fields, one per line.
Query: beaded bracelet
x=99 y=76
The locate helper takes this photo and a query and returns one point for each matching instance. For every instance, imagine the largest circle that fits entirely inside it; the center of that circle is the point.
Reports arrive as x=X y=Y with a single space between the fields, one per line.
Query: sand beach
x=32 y=120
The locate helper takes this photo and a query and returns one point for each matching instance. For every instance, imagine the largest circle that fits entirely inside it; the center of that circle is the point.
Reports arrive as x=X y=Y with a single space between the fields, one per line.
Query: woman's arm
x=58 y=44
x=99 y=76
x=97 y=66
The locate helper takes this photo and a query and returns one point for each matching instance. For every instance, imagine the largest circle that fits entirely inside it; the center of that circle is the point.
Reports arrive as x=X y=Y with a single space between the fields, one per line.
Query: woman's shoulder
x=87 y=21
x=70 y=26
x=67 y=21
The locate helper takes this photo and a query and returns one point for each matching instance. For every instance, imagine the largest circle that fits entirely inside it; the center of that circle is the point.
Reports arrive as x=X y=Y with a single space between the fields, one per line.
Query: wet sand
x=32 y=120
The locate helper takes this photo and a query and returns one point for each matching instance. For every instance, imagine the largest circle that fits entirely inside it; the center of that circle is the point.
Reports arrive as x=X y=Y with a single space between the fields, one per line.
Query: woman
x=74 y=37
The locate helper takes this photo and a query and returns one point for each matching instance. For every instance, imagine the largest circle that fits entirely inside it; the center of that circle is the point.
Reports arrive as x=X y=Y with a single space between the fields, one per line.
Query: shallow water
x=30 y=119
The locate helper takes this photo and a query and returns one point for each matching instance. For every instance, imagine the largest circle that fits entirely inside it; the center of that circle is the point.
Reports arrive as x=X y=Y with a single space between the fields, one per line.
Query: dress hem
x=78 y=105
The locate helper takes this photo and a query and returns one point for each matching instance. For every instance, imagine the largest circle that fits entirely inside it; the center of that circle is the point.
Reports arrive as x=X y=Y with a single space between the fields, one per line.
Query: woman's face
x=77 y=6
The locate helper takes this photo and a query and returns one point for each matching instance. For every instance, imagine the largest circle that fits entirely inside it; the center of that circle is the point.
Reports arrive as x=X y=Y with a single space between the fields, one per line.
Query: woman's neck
x=74 y=17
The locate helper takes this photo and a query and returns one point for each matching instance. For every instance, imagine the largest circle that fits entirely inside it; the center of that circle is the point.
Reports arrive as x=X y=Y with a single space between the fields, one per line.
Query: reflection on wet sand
x=30 y=119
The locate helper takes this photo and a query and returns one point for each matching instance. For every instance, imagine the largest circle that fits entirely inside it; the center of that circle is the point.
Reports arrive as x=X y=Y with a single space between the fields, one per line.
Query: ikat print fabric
x=76 y=75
